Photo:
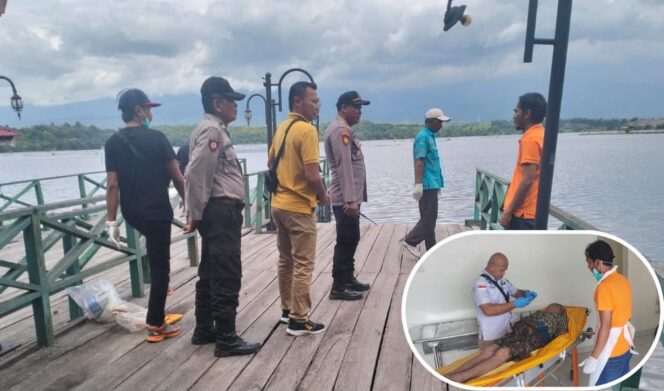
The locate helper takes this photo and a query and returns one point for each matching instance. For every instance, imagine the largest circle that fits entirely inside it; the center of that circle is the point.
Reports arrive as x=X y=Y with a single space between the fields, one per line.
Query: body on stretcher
x=542 y=362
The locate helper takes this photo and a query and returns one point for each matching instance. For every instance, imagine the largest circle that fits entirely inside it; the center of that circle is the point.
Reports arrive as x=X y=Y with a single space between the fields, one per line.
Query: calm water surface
x=615 y=182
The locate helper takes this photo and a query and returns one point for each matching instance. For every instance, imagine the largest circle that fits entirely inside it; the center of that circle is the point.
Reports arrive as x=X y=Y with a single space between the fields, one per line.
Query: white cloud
x=70 y=50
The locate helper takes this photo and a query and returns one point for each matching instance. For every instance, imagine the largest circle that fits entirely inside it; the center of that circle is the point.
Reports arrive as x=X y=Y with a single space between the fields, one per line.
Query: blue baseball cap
x=133 y=97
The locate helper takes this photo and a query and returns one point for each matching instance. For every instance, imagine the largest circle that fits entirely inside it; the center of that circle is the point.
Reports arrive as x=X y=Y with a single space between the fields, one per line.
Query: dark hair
x=600 y=250
x=535 y=102
x=128 y=114
x=208 y=102
x=299 y=89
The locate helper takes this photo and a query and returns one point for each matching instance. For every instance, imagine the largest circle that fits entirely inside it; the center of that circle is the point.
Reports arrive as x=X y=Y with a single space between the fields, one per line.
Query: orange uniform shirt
x=530 y=152
x=615 y=294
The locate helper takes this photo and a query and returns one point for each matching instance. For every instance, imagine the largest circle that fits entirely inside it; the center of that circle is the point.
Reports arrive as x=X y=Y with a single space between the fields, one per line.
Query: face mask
x=146 y=123
x=597 y=275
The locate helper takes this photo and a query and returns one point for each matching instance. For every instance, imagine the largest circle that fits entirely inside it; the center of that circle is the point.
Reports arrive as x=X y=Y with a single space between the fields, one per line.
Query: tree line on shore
x=79 y=137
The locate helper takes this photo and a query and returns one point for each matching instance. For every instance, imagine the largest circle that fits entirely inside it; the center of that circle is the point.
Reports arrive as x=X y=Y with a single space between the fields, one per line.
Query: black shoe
x=232 y=345
x=357 y=286
x=284 y=316
x=344 y=294
x=304 y=328
x=203 y=335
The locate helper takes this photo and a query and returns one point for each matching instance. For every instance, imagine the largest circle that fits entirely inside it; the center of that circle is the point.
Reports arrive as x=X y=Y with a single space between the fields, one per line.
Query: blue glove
x=521 y=302
x=531 y=294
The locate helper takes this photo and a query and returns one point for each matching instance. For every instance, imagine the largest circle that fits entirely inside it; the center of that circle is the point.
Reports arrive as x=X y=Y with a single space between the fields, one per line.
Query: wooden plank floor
x=363 y=348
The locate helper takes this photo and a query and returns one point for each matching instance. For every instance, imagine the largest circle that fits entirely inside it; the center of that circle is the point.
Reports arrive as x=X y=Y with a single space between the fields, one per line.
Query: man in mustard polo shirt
x=614 y=344
x=521 y=198
x=293 y=206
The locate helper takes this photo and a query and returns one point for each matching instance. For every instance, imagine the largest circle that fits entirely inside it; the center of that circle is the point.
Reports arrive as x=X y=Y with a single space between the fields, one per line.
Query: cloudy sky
x=394 y=52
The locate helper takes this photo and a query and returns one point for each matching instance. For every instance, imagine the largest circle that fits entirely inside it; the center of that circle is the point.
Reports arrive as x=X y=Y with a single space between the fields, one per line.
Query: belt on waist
x=227 y=201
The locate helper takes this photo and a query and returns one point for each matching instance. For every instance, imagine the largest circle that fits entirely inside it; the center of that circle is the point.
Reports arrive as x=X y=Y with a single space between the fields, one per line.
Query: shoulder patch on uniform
x=213 y=144
x=345 y=136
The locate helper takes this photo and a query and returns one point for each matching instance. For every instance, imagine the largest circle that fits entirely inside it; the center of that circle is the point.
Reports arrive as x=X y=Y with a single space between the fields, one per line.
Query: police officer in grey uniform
x=215 y=194
x=348 y=189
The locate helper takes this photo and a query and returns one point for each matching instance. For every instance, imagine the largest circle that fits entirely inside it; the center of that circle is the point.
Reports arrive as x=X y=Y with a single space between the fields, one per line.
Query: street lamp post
x=247 y=111
x=17 y=105
x=16 y=101
x=272 y=121
x=556 y=81
x=271 y=117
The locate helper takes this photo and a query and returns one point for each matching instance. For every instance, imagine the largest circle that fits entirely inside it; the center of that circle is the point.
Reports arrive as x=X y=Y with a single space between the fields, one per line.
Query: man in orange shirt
x=614 y=344
x=521 y=198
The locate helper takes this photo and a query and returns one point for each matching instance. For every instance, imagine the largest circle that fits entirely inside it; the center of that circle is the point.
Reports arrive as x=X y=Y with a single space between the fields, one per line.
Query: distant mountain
x=465 y=103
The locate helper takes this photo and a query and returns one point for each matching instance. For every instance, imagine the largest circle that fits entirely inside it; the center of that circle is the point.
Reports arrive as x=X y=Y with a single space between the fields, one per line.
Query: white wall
x=552 y=264
x=646 y=309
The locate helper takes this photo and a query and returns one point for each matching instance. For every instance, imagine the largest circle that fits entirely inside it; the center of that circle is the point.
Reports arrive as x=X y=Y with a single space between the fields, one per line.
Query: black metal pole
x=553 y=112
x=11 y=83
x=268 y=112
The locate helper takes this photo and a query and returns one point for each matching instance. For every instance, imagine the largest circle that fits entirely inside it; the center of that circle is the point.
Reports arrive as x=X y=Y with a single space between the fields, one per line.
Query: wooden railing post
x=135 y=266
x=41 y=306
x=192 y=249
x=39 y=193
x=68 y=241
x=83 y=193
x=247 y=202
x=260 y=188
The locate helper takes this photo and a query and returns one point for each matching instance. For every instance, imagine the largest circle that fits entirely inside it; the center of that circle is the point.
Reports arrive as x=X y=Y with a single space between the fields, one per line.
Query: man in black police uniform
x=348 y=189
x=140 y=163
x=215 y=194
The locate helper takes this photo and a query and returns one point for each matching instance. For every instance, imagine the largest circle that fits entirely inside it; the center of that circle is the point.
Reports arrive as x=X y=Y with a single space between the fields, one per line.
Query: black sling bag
x=492 y=281
x=271 y=180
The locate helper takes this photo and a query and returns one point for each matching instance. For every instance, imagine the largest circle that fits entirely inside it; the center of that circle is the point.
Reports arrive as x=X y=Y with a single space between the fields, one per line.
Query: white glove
x=417 y=191
x=113 y=232
x=589 y=365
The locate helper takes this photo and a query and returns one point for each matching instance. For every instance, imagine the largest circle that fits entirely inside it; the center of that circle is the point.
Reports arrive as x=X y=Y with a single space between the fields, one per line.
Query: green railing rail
x=67 y=222
x=35 y=187
x=490 y=193
x=41 y=226
x=258 y=199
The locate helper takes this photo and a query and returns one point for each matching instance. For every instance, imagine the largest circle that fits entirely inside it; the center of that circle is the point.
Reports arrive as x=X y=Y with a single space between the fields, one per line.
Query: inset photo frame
x=549 y=309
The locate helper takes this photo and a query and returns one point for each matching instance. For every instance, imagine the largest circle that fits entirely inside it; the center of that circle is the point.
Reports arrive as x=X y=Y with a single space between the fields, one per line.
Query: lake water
x=615 y=182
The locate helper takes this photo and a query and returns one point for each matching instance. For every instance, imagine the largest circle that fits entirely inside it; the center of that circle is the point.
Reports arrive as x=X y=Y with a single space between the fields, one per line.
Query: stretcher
x=542 y=362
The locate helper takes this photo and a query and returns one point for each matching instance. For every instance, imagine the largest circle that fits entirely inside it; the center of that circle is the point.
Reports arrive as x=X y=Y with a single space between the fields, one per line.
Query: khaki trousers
x=296 y=241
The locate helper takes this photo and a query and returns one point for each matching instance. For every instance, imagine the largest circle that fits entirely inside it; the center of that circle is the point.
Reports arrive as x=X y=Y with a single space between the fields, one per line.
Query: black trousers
x=220 y=271
x=425 y=229
x=158 y=242
x=348 y=236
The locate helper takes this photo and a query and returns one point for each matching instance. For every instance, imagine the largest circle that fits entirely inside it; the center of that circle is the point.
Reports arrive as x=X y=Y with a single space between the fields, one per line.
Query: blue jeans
x=615 y=368
x=519 y=223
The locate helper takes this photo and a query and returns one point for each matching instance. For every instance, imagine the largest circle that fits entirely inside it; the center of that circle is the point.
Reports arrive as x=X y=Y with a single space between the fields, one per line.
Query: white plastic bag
x=101 y=302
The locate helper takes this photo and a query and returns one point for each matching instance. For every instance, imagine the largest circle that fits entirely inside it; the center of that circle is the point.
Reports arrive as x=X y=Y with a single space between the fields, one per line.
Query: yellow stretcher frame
x=577 y=320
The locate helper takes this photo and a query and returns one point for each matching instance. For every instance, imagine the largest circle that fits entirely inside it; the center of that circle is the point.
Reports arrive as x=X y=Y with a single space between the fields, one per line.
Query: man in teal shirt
x=428 y=182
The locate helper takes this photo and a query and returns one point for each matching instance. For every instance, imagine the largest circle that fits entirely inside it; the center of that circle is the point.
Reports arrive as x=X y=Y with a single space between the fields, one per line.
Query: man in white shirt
x=491 y=294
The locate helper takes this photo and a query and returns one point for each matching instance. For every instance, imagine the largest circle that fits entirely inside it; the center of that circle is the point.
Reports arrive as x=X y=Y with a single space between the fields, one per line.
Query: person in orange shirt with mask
x=521 y=198
x=614 y=345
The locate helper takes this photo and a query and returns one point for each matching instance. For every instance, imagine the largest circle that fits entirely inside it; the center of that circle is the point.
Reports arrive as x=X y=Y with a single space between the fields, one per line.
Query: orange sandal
x=159 y=333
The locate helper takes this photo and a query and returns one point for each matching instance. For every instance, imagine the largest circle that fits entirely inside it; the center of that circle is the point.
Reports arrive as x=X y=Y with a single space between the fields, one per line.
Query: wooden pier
x=363 y=348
